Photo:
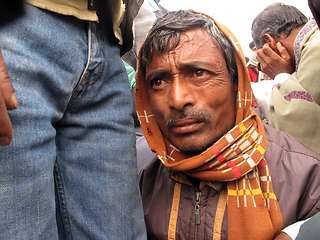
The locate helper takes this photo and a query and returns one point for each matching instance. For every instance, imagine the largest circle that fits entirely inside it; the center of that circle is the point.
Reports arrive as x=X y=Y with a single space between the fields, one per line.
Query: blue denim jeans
x=70 y=171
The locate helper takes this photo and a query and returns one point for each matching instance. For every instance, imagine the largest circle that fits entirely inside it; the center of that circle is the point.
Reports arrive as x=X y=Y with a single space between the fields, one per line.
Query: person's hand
x=8 y=101
x=273 y=63
x=283 y=236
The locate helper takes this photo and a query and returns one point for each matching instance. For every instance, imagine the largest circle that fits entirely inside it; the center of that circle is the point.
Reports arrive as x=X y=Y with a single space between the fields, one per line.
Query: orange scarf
x=237 y=158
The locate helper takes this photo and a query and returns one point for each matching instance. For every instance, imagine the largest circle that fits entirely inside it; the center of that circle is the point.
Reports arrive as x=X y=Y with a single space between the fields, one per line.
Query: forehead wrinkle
x=186 y=54
x=181 y=54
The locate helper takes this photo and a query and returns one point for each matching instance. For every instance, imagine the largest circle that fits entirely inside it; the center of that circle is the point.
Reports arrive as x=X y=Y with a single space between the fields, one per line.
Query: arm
x=8 y=101
x=272 y=63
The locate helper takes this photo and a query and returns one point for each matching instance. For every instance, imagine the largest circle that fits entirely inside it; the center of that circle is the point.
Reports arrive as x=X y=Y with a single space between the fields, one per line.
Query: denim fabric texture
x=70 y=171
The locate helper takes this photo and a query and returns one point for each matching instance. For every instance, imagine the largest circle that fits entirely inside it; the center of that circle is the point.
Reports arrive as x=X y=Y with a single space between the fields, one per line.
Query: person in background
x=252 y=63
x=253 y=71
x=307 y=229
x=146 y=16
x=288 y=51
x=70 y=169
x=148 y=13
x=219 y=172
x=260 y=87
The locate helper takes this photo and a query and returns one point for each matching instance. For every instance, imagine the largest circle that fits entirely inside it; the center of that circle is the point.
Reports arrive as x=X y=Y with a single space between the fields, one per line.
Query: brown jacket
x=295 y=172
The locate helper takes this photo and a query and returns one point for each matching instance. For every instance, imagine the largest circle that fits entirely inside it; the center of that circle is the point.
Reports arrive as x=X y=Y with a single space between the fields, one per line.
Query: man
x=307 y=229
x=252 y=63
x=288 y=51
x=70 y=169
x=212 y=175
x=310 y=229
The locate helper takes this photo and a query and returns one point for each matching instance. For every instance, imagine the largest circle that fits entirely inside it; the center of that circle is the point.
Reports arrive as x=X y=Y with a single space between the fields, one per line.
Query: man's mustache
x=200 y=114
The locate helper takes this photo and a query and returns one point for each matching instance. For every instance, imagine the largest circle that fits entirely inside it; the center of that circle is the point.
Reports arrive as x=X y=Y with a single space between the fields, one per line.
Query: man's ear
x=270 y=40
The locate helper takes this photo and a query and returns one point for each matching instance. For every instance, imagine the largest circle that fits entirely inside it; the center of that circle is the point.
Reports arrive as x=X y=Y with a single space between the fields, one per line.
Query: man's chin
x=194 y=145
x=193 y=148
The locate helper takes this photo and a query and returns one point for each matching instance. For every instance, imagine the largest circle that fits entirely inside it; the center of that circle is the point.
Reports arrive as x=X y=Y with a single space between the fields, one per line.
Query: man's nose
x=181 y=95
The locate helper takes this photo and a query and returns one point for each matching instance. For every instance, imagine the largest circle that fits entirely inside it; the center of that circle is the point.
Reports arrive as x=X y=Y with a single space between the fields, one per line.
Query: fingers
x=8 y=100
x=267 y=57
x=283 y=52
x=266 y=53
x=7 y=90
x=5 y=124
x=274 y=63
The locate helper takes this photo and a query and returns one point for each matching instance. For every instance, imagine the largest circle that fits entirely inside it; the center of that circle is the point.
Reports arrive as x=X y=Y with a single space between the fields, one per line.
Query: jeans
x=70 y=171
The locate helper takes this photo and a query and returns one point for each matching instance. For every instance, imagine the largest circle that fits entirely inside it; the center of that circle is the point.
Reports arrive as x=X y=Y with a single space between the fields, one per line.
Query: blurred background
x=237 y=15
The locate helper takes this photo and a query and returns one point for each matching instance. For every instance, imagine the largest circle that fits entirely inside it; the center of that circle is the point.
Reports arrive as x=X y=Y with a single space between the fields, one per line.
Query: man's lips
x=185 y=126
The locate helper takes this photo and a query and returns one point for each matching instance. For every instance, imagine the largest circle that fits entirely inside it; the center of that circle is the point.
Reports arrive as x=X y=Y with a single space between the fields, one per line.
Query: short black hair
x=251 y=45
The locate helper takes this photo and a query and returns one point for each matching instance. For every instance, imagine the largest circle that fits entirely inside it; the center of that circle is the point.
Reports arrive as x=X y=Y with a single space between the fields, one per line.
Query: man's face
x=254 y=49
x=190 y=92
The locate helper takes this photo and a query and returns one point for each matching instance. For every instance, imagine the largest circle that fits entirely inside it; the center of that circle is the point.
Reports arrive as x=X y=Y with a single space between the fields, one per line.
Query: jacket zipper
x=197 y=210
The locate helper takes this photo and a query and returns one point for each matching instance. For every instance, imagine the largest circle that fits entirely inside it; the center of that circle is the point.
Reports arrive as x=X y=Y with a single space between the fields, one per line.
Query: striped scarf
x=237 y=158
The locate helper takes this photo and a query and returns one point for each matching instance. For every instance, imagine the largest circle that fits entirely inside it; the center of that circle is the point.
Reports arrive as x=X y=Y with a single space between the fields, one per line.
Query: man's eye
x=156 y=82
x=199 y=72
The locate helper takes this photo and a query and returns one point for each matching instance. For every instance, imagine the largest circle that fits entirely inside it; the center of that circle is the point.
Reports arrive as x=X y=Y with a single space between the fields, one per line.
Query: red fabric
x=253 y=73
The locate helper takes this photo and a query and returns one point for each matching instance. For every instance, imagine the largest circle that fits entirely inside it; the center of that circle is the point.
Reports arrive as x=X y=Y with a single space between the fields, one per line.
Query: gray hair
x=165 y=36
x=275 y=19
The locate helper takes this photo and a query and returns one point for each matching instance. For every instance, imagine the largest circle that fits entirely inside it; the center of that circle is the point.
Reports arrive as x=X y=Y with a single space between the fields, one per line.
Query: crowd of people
x=123 y=120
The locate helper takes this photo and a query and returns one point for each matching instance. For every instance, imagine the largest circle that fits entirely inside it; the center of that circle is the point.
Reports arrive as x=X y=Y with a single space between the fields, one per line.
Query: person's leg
x=96 y=163
x=85 y=130
x=42 y=75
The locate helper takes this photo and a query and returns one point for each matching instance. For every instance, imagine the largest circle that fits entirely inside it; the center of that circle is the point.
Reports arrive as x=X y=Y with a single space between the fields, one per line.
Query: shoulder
x=287 y=158
x=152 y=172
x=280 y=142
x=152 y=165
x=310 y=43
x=295 y=173
x=290 y=162
x=313 y=38
x=155 y=183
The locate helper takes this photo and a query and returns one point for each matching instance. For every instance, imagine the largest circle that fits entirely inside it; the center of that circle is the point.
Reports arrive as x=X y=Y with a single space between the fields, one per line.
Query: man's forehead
x=196 y=50
x=189 y=41
x=195 y=36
